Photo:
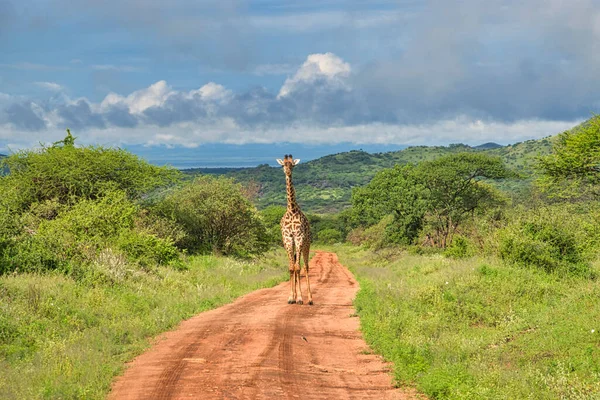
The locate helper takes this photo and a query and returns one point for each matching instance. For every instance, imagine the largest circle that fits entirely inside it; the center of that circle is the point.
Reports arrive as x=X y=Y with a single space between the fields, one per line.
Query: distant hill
x=325 y=185
x=487 y=146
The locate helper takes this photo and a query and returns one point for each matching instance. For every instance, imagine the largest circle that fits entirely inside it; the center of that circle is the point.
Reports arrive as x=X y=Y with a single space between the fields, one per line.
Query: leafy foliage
x=440 y=194
x=64 y=206
x=454 y=190
x=397 y=192
x=557 y=239
x=573 y=168
x=68 y=173
x=271 y=217
x=216 y=217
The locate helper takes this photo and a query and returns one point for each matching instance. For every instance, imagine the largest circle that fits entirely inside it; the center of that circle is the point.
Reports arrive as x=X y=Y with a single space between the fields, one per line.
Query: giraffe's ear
x=296 y=161
x=280 y=162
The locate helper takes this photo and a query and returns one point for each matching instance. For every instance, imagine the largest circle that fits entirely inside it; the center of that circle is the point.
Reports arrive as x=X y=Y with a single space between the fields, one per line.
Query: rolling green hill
x=324 y=185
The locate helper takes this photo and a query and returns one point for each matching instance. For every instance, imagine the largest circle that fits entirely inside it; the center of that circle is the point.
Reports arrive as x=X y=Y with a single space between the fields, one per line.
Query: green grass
x=478 y=329
x=67 y=339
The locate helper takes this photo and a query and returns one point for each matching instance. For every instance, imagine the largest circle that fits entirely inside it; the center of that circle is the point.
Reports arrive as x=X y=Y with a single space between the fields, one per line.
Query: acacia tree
x=394 y=191
x=454 y=190
x=441 y=194
x=573 y=168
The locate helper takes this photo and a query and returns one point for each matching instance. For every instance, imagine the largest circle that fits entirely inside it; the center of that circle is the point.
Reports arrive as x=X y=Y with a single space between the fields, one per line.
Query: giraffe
x=295 y=232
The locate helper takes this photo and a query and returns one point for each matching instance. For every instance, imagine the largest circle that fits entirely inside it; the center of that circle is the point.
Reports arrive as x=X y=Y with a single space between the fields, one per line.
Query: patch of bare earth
x=261 y=347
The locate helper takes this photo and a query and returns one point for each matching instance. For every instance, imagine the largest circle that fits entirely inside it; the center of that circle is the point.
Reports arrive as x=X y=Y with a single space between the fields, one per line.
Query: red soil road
x=260 y=347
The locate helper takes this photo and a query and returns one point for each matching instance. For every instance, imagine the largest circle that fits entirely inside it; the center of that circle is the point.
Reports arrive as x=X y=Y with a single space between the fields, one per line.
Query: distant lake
x=217 y=155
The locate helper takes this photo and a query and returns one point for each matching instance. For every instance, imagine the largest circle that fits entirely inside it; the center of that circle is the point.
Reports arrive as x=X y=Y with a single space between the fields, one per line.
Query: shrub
x=375 y=237
x=271 y=217
x=147 y=250
x=68 y=173
x=460 y=247
x=216 y=217
x=75 y=236
x=553 y=239
x=330 y=236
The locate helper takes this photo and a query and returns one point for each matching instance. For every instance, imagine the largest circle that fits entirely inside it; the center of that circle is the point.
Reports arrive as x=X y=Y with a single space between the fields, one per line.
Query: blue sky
x=186 y=73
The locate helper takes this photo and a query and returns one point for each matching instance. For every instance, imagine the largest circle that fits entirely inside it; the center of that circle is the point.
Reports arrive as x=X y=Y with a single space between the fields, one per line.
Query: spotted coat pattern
x=295 y=232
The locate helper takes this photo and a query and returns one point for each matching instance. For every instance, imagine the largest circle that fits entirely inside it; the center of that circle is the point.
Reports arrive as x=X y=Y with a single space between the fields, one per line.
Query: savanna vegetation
x=478 y=266
x=324 y=186
x=475 y=291
x=100 y=251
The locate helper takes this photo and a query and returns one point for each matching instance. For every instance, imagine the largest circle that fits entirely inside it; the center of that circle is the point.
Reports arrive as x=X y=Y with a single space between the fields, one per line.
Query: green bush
x=68 y=173
x=271 y=217
x=554 y=239
x=374 y=237
x=216 y=217
x=329 y=236
x=460 y=247
x=75 y=236
x=147 y=250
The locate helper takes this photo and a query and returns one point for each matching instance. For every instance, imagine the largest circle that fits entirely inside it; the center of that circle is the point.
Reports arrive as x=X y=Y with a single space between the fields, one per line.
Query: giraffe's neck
x=291 y=195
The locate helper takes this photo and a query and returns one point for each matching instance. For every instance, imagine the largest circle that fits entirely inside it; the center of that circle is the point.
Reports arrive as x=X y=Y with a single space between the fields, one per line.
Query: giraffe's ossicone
x=295 y=232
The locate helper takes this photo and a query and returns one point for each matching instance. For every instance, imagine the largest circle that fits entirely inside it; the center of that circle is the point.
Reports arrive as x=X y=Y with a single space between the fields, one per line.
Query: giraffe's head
x=288 y=163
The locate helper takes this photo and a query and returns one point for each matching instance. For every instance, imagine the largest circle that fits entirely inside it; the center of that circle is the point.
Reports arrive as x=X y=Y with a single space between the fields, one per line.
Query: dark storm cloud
x=23 y=116
x=118 y=115
x=177 y=108
x=79 y=115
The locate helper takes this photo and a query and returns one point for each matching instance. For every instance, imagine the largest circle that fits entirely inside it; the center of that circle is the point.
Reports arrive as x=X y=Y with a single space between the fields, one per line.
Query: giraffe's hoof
x=310 y=302
x=291 y=301
x=300 y=302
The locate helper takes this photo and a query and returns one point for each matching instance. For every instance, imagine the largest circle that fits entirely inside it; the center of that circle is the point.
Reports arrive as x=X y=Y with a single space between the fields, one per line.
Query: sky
x=188 y=74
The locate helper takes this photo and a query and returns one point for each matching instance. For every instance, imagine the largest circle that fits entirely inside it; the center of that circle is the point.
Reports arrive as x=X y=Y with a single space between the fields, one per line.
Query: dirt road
x=261 y=347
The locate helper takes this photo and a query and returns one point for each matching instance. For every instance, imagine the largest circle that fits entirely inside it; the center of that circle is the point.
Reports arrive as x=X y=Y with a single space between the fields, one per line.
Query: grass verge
x=63 y=338
x=479 y=329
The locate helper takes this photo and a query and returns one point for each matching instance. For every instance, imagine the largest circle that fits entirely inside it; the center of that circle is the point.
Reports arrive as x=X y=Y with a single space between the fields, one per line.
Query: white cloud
x=317 y=104
x=140 y=100
x=53 y=86
x=326 y=66
x=212 y=92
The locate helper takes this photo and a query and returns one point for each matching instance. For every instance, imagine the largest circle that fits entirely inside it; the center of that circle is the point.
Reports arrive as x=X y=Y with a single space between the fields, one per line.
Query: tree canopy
x=573 y=168
x=438 y=194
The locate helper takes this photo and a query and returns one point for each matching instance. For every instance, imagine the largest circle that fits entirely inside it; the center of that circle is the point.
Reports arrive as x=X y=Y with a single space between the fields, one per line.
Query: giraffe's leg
x=305 y=253
x=289 y=247
x=297 y=272
x=298 y=287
